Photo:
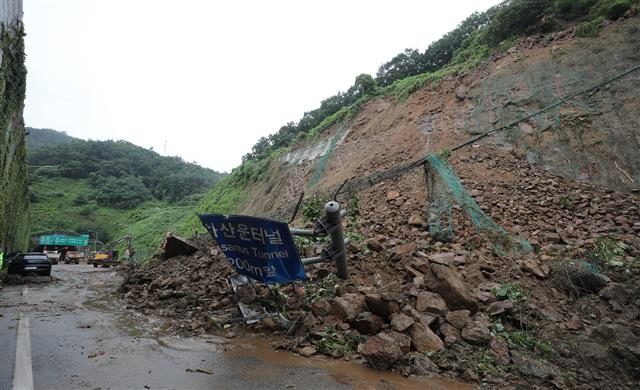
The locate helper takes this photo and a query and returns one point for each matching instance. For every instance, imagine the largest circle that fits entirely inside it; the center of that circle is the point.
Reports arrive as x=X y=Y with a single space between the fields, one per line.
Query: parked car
x=28 y=263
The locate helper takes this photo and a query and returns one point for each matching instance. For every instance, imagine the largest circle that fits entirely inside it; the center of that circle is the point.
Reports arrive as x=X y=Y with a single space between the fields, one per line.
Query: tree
x=364 y=85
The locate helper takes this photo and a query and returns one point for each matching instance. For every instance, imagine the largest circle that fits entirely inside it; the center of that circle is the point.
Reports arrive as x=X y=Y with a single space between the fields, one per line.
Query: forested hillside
x=37 y=138
x=107 y=186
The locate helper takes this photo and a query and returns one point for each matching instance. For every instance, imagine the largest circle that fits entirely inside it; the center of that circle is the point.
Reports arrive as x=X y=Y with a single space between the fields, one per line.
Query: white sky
x=204 y=80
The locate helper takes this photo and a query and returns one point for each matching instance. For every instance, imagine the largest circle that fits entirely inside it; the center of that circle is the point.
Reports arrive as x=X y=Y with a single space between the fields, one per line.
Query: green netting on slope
x=443 y=185
x=322 y=164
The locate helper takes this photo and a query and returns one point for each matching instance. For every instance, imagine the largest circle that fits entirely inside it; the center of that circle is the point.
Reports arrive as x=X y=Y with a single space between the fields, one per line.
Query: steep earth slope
x=564 y=315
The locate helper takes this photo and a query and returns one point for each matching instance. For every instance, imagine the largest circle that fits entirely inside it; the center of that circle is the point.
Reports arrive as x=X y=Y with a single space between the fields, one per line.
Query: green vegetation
x=336 y=344
x=522 y=340
x=38 y=138
x=607 y=250
x=312 y=208
x=354 y=210
x=14 y=196
x=122 y=175
x=322 y=289
x=509 y=291
x=609 y=255
x=112 y=189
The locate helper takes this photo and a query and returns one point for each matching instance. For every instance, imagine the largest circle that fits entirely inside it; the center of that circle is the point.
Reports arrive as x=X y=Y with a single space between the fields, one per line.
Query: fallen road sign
x=259 y=248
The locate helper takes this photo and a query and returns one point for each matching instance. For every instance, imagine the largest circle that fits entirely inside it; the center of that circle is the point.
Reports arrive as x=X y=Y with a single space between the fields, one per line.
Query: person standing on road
x=1 y=257
x=63 y=254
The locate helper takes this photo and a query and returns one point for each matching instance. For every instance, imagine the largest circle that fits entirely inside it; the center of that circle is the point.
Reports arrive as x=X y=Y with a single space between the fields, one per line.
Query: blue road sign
x=259 y=248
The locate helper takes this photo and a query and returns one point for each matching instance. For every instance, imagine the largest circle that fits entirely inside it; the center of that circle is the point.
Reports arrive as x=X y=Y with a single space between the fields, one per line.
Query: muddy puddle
x=356 y=375
x=352 y=374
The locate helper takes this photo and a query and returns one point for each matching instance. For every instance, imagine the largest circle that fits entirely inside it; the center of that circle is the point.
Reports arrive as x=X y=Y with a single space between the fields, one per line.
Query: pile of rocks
x=424 y=307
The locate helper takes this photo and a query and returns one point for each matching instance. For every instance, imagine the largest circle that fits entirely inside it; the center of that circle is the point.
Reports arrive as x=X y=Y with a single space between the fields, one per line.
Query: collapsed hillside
x=565 y=315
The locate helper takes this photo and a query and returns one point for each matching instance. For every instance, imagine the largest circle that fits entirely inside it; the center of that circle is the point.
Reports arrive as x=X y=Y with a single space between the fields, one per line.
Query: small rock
x=458 y=318
x=461 y=92
x=617 y=292
x=416 y=220
x=573 y=324
x=374 y=245
x=499 y=350
x=452 y=289
x=532 y=266
x=383 y=307
x=367 y=323
x=475 y=332
x=450 y=333
x=401 y=322
x=321 y=308
x=307 y=351
x=470 y=375
x=393 y=195
x=403 y=341
x=431 y=303
x=348 y=306
x=404 y=249
x=442 y=258
x=553 y=238
x=499 y=307
x=423 y=338
x=381 y=351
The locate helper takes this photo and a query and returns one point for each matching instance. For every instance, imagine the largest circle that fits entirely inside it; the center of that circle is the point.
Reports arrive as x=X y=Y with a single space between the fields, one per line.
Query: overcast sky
x=204 y=80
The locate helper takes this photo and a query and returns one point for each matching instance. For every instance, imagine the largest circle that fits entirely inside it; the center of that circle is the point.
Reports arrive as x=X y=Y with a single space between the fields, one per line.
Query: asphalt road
x=66 y=332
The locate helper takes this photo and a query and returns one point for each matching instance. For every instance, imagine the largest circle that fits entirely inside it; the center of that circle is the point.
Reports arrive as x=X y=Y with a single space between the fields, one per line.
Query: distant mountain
x=107 y=187
x=38 y=138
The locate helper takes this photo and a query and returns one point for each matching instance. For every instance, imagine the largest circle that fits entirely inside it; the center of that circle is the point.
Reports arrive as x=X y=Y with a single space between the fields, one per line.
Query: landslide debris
x=564 y=316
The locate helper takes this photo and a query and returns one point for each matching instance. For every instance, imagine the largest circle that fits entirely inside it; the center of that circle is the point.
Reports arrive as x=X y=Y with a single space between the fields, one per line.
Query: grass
x=522 y=340
x=609 y=255
x=335 y=344
x=322 y=289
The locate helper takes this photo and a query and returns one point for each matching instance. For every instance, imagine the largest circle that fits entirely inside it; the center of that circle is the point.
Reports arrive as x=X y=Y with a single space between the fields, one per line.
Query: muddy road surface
x=69 y=332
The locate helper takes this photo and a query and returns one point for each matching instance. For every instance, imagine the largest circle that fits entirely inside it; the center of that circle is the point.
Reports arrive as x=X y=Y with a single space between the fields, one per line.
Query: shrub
x=590 y=28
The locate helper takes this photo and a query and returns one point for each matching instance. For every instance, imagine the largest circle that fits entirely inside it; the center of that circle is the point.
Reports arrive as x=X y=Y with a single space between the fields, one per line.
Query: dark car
x=28 y=263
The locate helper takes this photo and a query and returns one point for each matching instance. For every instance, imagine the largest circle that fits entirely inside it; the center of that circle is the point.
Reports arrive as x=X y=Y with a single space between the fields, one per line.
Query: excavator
x=109 y=256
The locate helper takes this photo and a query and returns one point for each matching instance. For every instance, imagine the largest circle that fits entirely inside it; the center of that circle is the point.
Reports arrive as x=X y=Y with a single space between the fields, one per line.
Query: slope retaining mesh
x=443 y=186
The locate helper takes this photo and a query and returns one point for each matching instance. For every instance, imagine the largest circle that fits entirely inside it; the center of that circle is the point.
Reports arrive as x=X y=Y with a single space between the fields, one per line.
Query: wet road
x=68 y=333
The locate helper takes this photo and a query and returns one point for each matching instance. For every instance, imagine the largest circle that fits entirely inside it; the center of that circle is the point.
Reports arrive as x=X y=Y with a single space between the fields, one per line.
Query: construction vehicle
x=73 y=257
x=109 y=256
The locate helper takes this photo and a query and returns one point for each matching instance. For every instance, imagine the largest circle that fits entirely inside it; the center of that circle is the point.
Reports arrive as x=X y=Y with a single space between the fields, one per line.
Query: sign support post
x=334 y=220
